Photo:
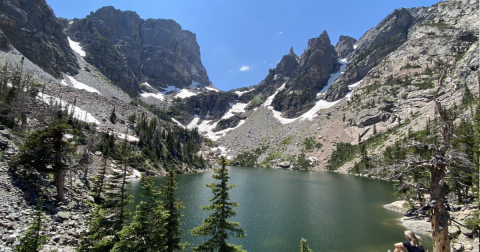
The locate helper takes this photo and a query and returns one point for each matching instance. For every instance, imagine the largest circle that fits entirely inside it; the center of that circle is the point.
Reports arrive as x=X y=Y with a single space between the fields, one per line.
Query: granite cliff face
x=296 y=79
x=345 y=46
x=372 y=48
x=303 y=76
x=387 y=82
x=130 y=50
x=31 y=27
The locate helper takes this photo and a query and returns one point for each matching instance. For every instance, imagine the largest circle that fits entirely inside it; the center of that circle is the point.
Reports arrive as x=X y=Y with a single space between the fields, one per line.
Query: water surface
x=334 y=212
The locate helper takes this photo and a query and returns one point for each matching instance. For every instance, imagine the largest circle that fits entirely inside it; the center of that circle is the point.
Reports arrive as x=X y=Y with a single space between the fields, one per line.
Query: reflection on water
x=334 y=212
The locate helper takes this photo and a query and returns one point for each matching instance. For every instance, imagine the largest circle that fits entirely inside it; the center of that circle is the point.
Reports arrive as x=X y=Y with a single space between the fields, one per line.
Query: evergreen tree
x=303 y=246
x=116 y=195
x=113 y=116
x=45 y=151
x=33 y=240
x=100 y=233
x=100 y=178
x=172 y=206
x=109 y=217
x=147 y=230
x=217 y=225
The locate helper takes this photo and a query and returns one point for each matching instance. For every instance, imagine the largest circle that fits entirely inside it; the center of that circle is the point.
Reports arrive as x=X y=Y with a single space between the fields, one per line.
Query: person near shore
x=413 y=243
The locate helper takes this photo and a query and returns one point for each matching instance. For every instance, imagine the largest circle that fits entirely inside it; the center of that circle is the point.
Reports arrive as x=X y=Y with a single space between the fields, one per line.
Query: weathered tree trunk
x=439 y=214
x=23 y=116
x=60 y=179
x=459 y=195
x=59 y=174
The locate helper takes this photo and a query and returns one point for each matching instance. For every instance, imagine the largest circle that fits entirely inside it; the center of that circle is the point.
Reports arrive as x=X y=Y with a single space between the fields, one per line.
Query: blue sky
x=240 y=40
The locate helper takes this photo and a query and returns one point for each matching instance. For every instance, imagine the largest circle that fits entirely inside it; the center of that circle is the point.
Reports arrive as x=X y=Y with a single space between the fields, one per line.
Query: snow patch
x=334 y=76
x=354 y=46
x=321 y=104
x=194 y=84
x=348 y=96
x=159 y=96
x=178 y=123
x=76 y=47
x=146 y=84
x=207 y=115
x=269 y=100
x=240 y=93
x=236 y=108
x=130 y=138
x=170 y=89
x=351 y=87
x=184 y=93
x=194 y=122
x=206 y=128
x=79 y=85
x=78 y=113
x=212 y=89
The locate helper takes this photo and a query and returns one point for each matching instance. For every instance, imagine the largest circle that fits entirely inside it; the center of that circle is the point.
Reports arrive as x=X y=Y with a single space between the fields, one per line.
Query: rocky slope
x=389 y=76
x=391 y=84
x=129 y=50
x=65 y=222
x=31 y=27
x=296 y=78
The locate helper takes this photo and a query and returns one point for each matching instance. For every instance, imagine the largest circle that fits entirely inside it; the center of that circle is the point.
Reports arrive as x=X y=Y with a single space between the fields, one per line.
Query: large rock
x=31 y=27
x=317 y=62
x=344 y=46
x=372 y=48
x=130 y=50
x=61 y=216
x=288 y=64
x=284 y=164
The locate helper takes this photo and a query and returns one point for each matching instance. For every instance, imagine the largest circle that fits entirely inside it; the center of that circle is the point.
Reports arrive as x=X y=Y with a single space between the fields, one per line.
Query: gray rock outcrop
x=30 y=26
x=345 y=46
x=130 y=50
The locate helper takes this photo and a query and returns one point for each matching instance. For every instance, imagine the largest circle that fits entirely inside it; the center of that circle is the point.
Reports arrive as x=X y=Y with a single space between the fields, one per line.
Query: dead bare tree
x=443 y=160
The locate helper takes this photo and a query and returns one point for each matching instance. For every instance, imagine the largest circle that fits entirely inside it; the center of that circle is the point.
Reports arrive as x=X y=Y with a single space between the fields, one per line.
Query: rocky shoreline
x=465 y=241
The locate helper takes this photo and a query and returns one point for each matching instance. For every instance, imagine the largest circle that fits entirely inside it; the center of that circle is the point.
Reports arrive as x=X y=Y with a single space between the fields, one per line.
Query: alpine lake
x=334 y=212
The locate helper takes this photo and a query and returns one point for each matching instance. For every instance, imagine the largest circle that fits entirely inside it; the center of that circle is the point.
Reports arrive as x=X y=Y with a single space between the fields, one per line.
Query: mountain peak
x=345 y=46
x=291 y=53
x=322 y=41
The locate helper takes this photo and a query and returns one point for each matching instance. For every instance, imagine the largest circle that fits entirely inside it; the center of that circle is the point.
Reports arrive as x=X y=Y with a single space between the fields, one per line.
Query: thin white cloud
x=280 y=33
x=245 y=68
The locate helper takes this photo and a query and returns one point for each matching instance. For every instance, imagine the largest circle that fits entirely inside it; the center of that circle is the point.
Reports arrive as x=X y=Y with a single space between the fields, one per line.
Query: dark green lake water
x=334 y=212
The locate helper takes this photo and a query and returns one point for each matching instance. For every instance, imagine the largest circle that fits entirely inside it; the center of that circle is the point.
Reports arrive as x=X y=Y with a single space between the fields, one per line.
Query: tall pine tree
x=147 y=230
x=110 y=217
x=217 y=225
x=172 y=206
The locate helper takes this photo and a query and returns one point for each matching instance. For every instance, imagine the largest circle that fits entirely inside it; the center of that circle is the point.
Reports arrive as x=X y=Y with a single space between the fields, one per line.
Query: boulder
x=11 y=239
x=453 y=229
x=284 y=165
x=61 y=216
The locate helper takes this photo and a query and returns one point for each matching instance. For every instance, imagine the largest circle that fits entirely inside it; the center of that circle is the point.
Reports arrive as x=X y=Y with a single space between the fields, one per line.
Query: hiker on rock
x=413 y=243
